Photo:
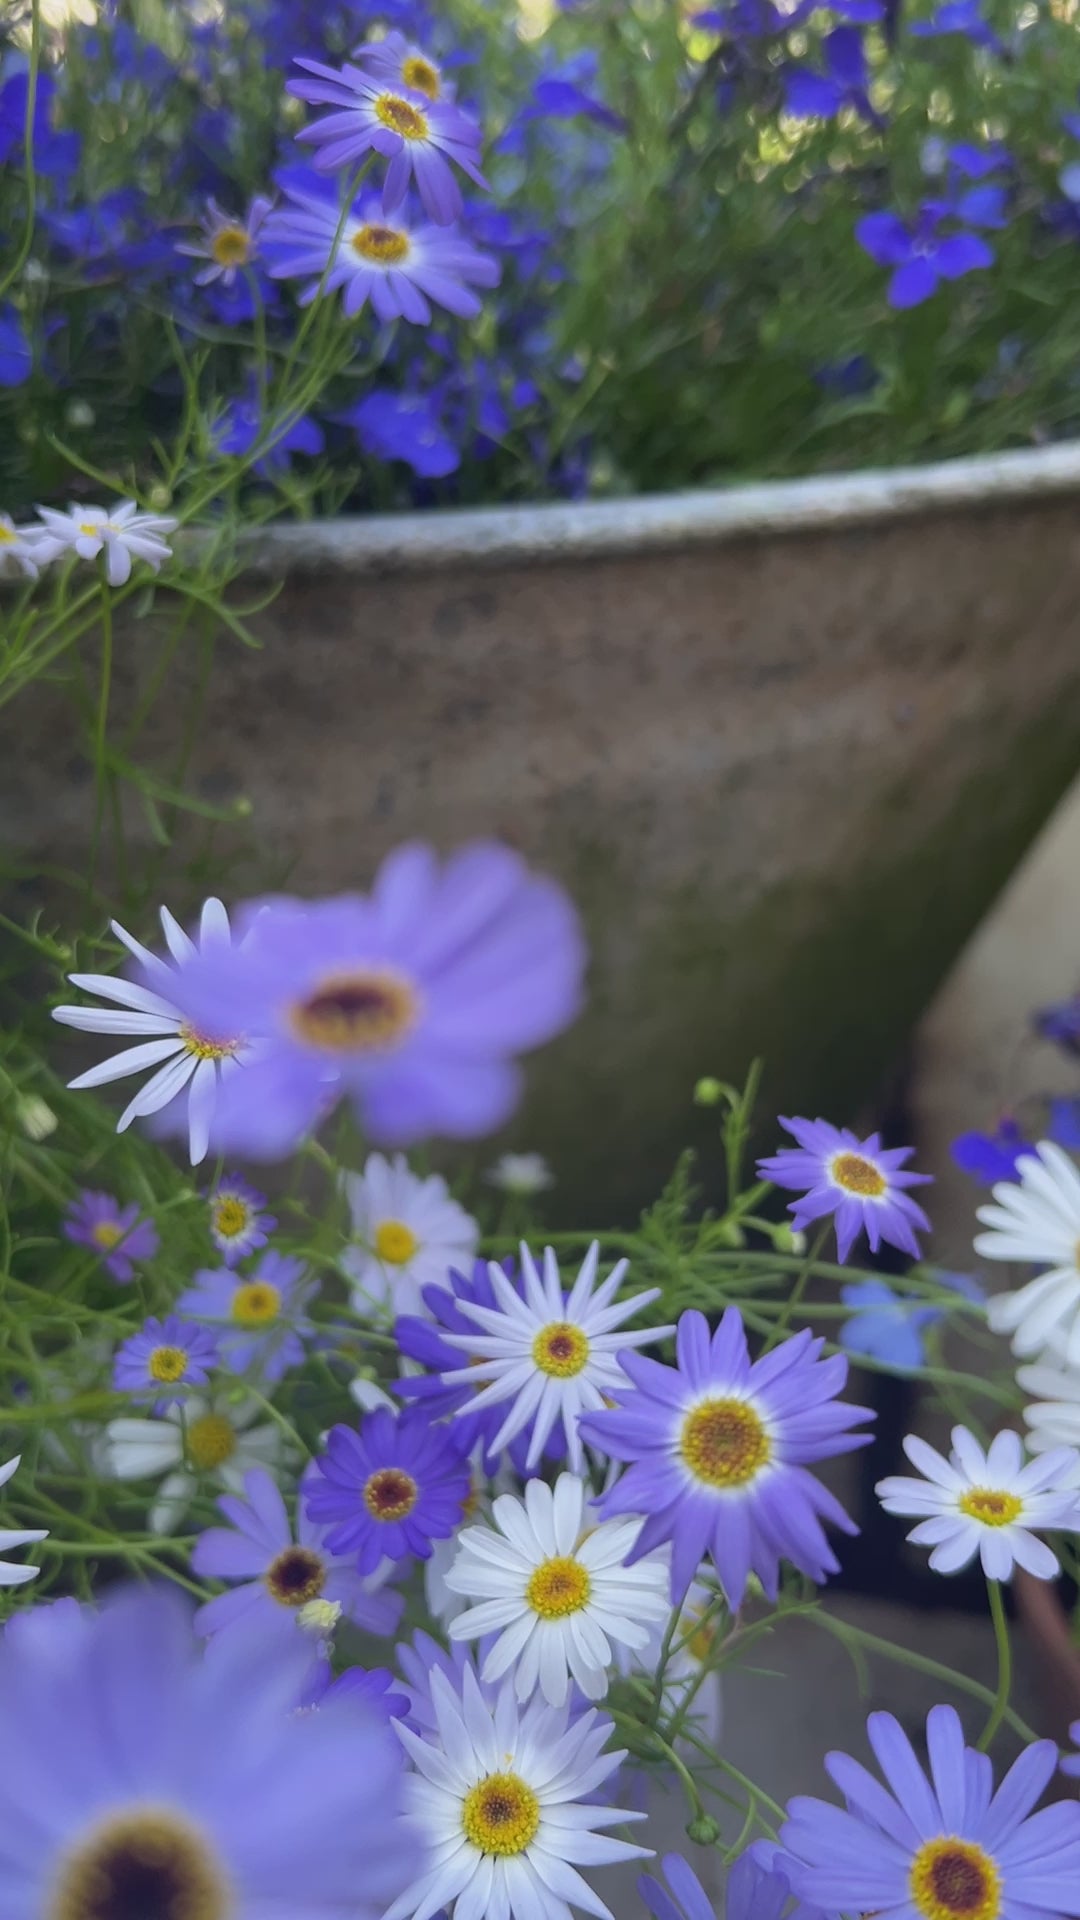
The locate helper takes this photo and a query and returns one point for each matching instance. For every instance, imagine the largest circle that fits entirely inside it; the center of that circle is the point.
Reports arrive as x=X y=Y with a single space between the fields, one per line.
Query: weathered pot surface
x=783 y=744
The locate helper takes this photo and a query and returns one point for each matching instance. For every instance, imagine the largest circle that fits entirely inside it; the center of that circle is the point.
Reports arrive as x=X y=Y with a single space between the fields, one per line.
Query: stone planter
x=783 y=743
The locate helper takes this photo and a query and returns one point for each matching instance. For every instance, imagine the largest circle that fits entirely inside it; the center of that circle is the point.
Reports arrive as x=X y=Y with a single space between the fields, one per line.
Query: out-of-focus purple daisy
x=220 y=1801
x=717 y=1452
x=398 y=267
x=375 y=1686
x=920 y=257
x=989 y=1157
x=410 y=1001
x=404 y=426
x=424 y=1341
x=261 y=1318
x=1060 y=1023
x=417 y=1661
x=753 y=1892
x=237 y=1224
x=287 y=1581
x=944 y=1845
x=860 y=1182
x=889 y=1327
x=229 y=245
x=389 y=1489
x=418 y=136
x=397 y=62
x=164 y=1359
x=809 y=95
x=116 y=1233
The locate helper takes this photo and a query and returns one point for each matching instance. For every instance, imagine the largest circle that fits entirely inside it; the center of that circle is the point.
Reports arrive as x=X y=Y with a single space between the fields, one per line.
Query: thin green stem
x=1004 y=1660
x=22 y=251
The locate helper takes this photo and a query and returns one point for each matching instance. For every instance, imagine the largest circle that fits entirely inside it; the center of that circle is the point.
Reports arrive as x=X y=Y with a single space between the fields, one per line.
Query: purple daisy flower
x=418 y=1660
x=169 y=1354
x=261 y=1317
x=398 y=267
x=753 y=1892
x=417 y=135
x=390 y=1489
x=220 y=1801
x=411 y=1001
x=424 y=1341
x=718 y=1451
x=947 y=1847
x=114 y=1232
x=376 y=1686
x=237 y=1227
x=287 y=1582
x=858 y=1181
x=228 y=244
x=398 y=62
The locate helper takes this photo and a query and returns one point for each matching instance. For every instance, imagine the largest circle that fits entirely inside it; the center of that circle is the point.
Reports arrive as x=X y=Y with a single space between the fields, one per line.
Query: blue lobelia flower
x=809 y=95
x=889 y=1327
x=16 y=353
x=958 y=16
x=243 y=421
x=55 y=153
x=989 y=1157
x=1064 y=1126
x=920 y=257
x=1060 y=1023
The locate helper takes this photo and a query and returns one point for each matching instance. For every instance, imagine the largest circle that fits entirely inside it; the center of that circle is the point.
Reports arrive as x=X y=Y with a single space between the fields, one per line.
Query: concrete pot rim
x=492 y=537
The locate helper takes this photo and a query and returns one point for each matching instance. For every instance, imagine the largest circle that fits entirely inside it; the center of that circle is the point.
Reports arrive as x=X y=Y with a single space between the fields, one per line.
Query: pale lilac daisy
x=986 y=1503
x=122 y=533
x=21 y=548
x=860 y=1182
x=261 y=1319
x=399 y=62
x=227 y=244
x=401 y=269
x=163 y=1360
x=237 y=1226
x=191 y=1057
x=116 y=1233
x=418 y=136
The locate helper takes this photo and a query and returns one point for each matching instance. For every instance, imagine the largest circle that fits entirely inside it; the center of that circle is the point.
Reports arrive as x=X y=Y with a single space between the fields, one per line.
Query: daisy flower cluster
x=467 y=1530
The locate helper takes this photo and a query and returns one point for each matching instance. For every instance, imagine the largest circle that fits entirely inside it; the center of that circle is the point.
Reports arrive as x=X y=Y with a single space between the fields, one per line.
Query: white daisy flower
x=1053 y=1413
x=986 y=1503
x=551 y=1354
x=409 y=1232
x=1039 y=1220
x=11 y=1574
x=21 y=549
x=521 y=1173
x=188 y=1442
x=499 y=1800
x=555 y=1589
x=122 y=533
x=184 y=1055
x=445 y=1603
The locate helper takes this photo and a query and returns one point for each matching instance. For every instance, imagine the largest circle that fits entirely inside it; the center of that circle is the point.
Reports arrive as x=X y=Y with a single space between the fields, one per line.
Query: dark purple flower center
x=953 y=1879
x=144 y=1865
x=295 y=1577
x=356 y=1013
x=390 y=1494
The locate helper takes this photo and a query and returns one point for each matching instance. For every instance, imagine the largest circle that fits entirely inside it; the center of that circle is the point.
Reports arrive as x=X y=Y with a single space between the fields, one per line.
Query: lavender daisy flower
x=122 y=533
x=114 y=1232
x=262 y=1319
x=858 y=1181
x=389 y=1489
x=399 y=268
x=397 y=62
x=753 y=1892
x=411 y=1001
x=418 y=136
x=228 y=244
x=237 y=1227
x=921 y=257
x=718 y=1451
x=940 y=1848
x=220 y=1801
x=287 y=1582
x=377 y=1687
x=169 y=1354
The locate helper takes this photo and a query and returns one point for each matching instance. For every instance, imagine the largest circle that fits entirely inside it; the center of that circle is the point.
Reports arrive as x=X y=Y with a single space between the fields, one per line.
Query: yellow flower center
x=860 y=1176
x=231 y=1217
x=255 y=1303
x=558 y=1587
x=501 y=1815
x=992 y=1508
x=955 y=1880
x=390 y=1494
x=8 y=536
x=561 y=1350
x=383 y=246
x=204 y=1049
x=167 y=1364
x=421 y=76
x=107 y=1234
x=724 y=1443
x=295 y=1577
x=401 y=116
x=356 y=1013
x=395 y=1242
x=94 y=527
x=145 y=1861
x=231 y=247
x=211 y=1440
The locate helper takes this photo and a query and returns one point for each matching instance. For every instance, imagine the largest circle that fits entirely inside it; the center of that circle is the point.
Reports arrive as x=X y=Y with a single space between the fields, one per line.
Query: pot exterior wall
x=782 y=776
